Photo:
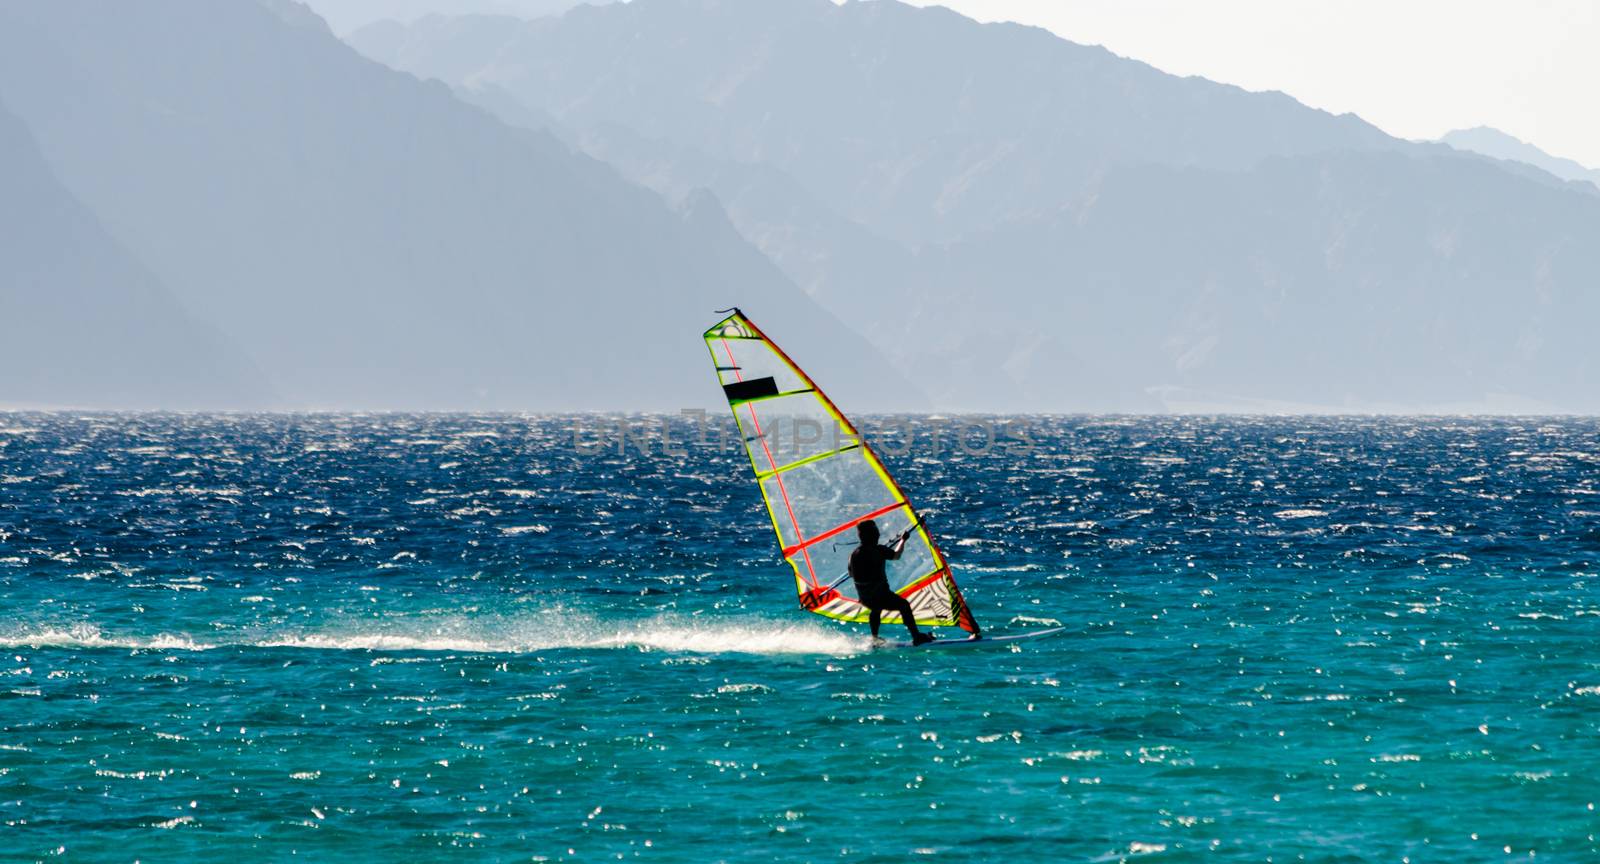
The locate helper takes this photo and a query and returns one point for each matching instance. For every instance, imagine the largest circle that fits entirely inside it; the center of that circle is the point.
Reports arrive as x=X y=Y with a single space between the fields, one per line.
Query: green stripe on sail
x=762 y=475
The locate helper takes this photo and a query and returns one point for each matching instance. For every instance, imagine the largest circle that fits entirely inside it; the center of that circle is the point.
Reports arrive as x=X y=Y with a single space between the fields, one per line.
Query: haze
x=225 y=204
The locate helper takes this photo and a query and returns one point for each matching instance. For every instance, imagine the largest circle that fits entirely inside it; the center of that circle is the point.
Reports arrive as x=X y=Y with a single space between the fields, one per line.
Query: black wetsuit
x=872 y=585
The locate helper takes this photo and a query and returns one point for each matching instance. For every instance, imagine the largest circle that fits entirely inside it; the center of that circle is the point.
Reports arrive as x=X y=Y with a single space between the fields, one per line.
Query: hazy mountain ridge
x=346 y=15
x=844 y=265
x=82 y=322
x=971 y=195
x=1499 y=145
x=918 y=123
x=1357 y=281
x=1111 y=238
x=371 y=240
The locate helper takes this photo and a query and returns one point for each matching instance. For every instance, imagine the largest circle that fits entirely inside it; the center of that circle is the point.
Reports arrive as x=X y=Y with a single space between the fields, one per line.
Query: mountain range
x=1499 y=145
x=370 y=241
x=346 y=15
x=1024 y=221
x=494 y=212
x=84 y=320
x=862 y=104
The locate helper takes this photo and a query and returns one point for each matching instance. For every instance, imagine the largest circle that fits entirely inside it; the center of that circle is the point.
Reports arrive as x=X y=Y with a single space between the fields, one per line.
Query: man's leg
x=874 y=617
x=903 y=606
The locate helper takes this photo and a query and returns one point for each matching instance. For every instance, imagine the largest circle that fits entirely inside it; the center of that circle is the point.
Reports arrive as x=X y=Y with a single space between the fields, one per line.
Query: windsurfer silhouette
x=872 y=582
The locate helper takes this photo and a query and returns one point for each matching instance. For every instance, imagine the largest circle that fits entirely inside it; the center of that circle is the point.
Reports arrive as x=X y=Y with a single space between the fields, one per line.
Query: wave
x=90 y=636
x=490 y=636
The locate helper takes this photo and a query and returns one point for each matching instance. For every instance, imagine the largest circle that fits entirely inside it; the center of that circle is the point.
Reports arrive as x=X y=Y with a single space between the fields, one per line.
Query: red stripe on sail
x=845 y=527
x=923 y=582
x=773 y=462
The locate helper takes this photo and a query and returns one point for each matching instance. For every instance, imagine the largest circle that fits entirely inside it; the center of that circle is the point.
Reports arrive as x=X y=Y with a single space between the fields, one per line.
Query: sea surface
x=488 y=638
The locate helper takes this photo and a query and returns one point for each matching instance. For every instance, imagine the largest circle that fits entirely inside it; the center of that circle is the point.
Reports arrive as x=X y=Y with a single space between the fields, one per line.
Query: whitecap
x=525 y=529
x=744 y=688
x=521 y=634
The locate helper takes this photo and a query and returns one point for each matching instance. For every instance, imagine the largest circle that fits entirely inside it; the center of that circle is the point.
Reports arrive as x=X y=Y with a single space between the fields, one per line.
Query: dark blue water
x=391 y=637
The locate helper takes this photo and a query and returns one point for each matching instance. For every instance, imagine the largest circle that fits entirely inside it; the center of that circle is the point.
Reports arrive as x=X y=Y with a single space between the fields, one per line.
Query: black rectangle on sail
x=740 y=391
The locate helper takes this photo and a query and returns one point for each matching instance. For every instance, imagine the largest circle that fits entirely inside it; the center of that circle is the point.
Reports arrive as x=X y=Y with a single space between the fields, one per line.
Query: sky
x=1415 y=68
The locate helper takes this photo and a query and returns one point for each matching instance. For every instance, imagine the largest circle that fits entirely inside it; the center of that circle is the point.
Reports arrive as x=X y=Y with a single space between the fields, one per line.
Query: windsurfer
x=872 y=581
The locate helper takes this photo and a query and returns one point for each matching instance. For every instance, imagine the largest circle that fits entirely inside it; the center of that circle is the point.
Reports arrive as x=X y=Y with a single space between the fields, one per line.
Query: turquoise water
x=418 y=638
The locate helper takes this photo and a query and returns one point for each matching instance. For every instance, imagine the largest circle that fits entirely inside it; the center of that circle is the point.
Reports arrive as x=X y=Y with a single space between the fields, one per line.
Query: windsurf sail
x=820 y=479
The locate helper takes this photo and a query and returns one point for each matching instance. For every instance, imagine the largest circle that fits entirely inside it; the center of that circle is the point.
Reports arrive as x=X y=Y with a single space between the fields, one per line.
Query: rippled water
x=388 y=637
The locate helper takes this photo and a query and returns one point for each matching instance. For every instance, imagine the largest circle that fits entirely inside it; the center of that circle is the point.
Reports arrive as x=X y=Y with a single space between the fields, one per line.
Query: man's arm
x=899 y=546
